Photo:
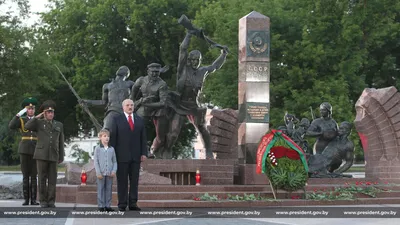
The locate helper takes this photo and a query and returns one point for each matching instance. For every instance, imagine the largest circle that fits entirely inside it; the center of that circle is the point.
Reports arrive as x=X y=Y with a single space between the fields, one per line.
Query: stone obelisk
x=254 y=77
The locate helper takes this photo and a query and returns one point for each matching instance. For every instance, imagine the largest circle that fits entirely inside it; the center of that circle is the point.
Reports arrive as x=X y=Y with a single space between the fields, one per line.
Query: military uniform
x=48 y=153
x=26 y=150
x=152 y=106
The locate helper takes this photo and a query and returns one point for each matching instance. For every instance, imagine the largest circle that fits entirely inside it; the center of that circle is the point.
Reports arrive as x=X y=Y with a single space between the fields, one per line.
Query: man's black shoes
x=134 y=208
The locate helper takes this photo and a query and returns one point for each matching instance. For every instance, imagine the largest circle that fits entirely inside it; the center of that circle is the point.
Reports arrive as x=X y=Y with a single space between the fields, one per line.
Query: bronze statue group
x=129 y=106
x=157 y=104
x=332 y=153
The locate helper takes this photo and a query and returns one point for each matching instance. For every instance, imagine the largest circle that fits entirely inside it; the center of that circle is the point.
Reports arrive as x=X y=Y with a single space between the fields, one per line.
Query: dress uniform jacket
x=50 y=144
x=29 y=138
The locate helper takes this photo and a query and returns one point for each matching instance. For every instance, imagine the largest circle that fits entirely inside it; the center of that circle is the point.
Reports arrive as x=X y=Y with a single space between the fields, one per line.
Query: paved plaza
x=182 y=221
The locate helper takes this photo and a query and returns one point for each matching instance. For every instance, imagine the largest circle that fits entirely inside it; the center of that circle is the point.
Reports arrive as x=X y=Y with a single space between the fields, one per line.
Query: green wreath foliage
x=288 y=175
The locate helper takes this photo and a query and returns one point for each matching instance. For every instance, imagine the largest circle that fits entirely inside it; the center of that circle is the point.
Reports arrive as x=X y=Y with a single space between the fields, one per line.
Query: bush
x=79 y=154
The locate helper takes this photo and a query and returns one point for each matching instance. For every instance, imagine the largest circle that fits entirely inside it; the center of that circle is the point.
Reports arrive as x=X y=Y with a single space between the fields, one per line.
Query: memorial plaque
x=257 y=72
x=257 y=112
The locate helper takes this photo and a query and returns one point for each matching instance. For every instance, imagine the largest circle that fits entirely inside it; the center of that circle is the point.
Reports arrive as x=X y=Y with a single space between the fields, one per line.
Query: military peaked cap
x=29 y=102
x=48 y=105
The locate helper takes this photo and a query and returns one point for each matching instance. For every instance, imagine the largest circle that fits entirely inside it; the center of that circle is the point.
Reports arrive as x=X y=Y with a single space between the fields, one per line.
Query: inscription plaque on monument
x=257 y=112
x=256 y=72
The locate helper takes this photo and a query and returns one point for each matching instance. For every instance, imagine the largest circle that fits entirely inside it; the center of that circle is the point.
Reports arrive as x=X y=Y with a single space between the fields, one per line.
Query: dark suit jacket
x=26 y=145
x=129 y=145
x=50 y=144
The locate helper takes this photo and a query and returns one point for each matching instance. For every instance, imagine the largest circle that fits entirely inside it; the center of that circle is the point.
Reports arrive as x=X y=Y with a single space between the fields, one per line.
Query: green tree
x=24 y=72
x=92 y=39
x=81 y=155
x=320 y=51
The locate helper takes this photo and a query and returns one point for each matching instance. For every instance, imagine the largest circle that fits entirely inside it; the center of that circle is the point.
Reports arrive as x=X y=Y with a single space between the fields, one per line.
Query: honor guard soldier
x=26 y=150
x=49 y=151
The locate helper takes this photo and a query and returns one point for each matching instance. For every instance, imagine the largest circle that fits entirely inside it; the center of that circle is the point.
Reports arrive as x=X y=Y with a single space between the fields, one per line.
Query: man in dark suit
x=49 y=151
x=128 y=137
x=26 y=149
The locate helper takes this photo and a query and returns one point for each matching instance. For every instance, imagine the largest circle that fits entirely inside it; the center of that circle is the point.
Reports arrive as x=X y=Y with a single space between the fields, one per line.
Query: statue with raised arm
x=150 y=94
x=324 y=128
x=296 y=130
x=298 y=133
x=336 y=158
x=113 y=94
x=190 y=79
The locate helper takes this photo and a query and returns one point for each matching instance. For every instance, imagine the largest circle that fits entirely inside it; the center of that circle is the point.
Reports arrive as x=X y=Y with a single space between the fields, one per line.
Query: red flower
x=280 y=151
x=368 y=183
x=295 y=197
x=361 y=183
x=196 y=199
x=315 y=190
x=357 y=183
x=292 y=154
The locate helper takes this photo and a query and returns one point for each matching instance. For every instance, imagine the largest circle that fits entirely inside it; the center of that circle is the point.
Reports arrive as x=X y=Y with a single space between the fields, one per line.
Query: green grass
x=61 y=168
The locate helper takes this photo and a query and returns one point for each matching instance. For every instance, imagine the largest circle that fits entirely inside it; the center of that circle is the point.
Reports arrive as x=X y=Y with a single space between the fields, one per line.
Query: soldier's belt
x=29 y=138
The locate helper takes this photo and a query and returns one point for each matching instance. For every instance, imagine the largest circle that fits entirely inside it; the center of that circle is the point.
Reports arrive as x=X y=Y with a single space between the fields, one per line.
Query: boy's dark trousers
x=104 y=192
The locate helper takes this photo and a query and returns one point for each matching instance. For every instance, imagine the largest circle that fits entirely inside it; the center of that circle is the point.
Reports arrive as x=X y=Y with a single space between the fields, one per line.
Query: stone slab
x=74 y=171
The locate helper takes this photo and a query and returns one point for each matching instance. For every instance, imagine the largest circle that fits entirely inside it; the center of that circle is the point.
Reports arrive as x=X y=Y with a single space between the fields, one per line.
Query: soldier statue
x=329 y=162
x=296 y=130
x=324 y=128
x=49 y=151
x=113 y=95
x=150 y=95
x=297 y=134
x=190 y=79
x=26 y=150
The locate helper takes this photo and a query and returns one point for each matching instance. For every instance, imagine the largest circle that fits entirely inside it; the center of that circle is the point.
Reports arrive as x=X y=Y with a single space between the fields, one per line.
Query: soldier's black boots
x=25 y=191
x=33 y=193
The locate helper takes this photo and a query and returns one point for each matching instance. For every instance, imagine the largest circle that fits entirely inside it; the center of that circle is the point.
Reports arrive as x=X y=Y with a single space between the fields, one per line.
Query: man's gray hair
x=126 y=101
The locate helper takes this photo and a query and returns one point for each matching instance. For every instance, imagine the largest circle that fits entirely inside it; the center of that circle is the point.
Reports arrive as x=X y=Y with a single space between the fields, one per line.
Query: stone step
x=156 y=169
x=286 y=202
x=89 y=196
x=189 y=162
x=239 y=204
x=221 y=188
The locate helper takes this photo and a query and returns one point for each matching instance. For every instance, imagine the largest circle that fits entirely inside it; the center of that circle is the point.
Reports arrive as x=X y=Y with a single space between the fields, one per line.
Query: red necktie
x=130 y=121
